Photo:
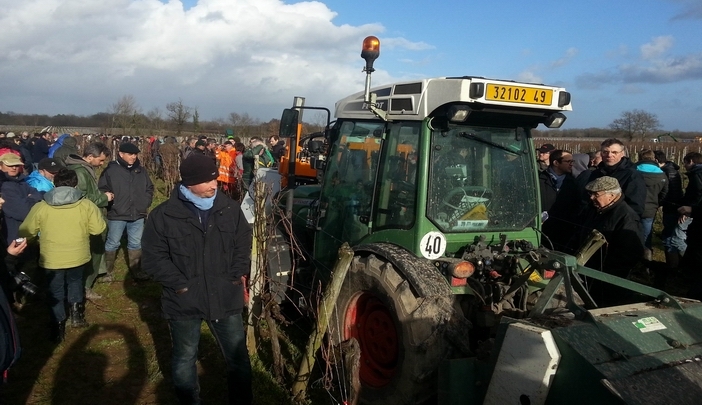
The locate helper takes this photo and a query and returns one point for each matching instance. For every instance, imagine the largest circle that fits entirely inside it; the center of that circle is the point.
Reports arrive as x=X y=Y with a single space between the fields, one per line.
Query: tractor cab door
x=368 y=183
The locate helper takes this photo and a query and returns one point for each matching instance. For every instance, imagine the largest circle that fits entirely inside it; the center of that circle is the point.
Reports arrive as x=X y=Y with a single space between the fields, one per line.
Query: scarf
x=201 y=203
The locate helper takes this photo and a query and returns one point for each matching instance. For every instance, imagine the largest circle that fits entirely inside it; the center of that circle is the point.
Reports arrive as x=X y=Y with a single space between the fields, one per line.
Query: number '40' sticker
x=433 y=245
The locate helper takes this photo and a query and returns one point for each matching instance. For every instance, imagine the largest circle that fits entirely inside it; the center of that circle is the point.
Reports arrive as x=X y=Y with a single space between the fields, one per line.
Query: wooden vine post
x=327 y=308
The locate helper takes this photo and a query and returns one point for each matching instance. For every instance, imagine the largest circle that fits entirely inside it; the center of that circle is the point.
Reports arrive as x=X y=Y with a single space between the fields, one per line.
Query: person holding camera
x=10 y=280
x=64 y=222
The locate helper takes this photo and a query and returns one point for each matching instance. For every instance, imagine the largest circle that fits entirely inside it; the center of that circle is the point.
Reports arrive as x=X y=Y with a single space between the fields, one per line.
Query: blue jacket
x=39 y=182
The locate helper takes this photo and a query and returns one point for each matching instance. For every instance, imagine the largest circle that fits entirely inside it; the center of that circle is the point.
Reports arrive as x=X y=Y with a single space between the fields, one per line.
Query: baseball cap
x=51 y=165
x=547 y=147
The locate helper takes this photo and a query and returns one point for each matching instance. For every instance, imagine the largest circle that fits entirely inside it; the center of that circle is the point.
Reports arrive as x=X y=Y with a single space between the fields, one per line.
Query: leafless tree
x=243 y=124
x=125 y=114
x=179 y=113
x=635 y=124
x=155 y=117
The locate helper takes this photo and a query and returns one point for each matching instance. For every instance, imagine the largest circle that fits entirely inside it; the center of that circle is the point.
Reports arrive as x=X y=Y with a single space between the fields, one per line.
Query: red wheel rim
x=370 y=322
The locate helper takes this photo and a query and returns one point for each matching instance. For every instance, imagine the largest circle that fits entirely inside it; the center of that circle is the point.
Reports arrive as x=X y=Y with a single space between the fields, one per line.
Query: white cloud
x=657 y=47
x=565 y=59
x=80 y=56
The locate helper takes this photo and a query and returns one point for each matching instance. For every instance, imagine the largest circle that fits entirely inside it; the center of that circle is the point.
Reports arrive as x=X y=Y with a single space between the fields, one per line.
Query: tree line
x=128 y=118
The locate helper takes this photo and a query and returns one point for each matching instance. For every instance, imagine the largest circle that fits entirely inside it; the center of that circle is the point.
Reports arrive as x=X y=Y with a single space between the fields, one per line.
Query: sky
x=253 y=56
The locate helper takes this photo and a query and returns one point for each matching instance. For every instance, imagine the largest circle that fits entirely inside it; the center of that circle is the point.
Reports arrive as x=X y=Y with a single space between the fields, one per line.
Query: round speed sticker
x=433 y=245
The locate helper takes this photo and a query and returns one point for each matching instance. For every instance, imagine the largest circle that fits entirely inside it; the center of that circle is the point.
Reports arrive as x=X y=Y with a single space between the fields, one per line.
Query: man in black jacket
x=656 y=189
x=131 y=185
x=197 y=245
x=673 y=234
x=40 y=147
x=615 y=164
x=620 y=225
x=551 y=180
x=692 y=258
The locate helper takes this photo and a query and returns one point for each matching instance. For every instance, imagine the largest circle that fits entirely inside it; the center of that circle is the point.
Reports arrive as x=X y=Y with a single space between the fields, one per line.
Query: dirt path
x=122 y=358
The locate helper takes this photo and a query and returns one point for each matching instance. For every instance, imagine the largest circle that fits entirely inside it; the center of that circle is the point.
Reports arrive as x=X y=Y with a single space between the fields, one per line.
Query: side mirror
x=288 y=123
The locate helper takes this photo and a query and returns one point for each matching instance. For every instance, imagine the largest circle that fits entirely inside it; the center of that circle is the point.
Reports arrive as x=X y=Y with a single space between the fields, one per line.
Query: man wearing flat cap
x=197 y=245
x=620 y=225
x=131 y=185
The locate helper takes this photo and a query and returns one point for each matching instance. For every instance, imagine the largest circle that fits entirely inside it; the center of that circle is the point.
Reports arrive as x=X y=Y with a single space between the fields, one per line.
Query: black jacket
x=671 y=202
x=656 y=186
x=621 y=226
x=693 y=192
x=208 y=259
x=548 y=190
x=630 y=180
x=132 y=187
x=40 y=149
x=278 y=150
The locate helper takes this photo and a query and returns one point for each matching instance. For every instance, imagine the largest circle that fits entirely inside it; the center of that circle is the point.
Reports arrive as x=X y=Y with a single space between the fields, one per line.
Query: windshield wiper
x=491 y=143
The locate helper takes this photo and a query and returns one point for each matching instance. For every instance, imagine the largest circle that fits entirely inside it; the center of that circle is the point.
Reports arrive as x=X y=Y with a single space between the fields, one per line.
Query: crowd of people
x=66 y=218
x=609 y=192
x=61 y=212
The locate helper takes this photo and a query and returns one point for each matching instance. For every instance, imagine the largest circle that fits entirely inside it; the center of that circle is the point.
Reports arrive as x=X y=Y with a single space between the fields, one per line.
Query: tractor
x=450 y=294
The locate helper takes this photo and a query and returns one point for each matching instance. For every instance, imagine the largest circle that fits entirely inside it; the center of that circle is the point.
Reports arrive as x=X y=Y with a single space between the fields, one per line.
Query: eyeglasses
x=597 y=194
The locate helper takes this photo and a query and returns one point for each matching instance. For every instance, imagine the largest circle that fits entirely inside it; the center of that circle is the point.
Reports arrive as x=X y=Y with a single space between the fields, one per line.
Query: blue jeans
x=647 y=225
x=231 y=339
x=58 y=281
x=115 y=230
x=673 y=234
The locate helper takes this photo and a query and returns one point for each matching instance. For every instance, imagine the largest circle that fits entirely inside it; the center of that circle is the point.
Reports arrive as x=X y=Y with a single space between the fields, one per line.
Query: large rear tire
x=400 y=333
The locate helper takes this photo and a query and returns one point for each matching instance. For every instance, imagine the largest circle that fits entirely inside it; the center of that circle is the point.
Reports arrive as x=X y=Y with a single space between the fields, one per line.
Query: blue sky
x=253 y=56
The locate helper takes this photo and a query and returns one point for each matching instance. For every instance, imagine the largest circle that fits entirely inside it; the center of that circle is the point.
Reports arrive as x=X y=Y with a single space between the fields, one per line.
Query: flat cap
x=605 y=183
x=128 y=147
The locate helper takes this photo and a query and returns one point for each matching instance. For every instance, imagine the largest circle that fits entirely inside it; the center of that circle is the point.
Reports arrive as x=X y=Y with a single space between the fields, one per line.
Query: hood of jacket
x=63 y=195
x=70 y=141
x=670 y=165
x=648 y=167
x=77 y=160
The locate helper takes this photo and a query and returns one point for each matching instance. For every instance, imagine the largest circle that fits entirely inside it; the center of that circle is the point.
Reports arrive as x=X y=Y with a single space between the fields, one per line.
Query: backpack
x=9 y=336
x=265 y=158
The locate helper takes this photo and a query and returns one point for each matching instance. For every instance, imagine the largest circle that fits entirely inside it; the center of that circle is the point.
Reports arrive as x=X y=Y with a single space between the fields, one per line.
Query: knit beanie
x=196 y=169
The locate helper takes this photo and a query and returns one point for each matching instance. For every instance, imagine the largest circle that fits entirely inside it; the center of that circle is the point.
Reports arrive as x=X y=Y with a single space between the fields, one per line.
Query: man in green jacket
x=94 y=156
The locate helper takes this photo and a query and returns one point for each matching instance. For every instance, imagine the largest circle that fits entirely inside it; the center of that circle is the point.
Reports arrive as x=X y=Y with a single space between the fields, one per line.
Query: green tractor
x=433 y=183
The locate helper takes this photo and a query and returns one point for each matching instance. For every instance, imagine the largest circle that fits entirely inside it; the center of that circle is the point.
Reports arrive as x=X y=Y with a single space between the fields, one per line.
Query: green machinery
x=433 y=183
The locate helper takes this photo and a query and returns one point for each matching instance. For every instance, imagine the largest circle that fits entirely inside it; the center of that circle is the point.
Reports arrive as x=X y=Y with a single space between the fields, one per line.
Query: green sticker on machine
x=649 y=324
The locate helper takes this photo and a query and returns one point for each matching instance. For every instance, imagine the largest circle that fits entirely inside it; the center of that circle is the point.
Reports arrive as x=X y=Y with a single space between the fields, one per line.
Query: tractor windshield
x=481 y=179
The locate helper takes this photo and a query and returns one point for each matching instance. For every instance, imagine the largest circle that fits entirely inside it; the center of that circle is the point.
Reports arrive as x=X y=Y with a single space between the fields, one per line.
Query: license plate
x=518 y=94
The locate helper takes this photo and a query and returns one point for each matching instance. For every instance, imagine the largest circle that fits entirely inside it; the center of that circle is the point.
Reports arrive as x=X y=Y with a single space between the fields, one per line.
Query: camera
x=23 y=283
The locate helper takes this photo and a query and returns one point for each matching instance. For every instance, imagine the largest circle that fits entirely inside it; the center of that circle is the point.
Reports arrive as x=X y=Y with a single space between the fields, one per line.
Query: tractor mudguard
x=421 y=275
x=429 y=283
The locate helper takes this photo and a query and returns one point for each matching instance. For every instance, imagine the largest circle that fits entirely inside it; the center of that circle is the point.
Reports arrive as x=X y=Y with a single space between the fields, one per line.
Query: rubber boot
x=135 y=266
x=57 y=333
x=77 y=311
x=110 y=258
